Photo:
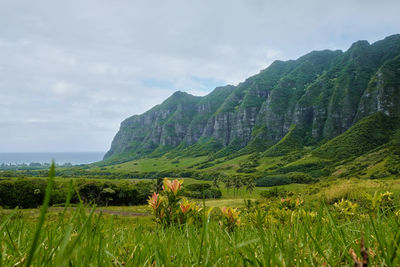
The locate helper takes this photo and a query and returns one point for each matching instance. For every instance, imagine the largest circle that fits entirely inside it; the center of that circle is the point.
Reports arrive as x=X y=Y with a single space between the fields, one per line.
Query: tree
x=228 y=182
x=250 y=184
x=158 y=185
x=237 y=183
x=216 y=181
x=107 y=195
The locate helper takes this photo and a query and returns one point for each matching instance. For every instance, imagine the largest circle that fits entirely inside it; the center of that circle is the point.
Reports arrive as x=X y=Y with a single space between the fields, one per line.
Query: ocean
x=46 y=157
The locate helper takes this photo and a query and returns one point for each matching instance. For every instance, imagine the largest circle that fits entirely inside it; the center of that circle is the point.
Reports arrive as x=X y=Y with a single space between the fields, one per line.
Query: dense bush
x=209 y=193
x=28 y=193
x=201 y=190
x=273 y=180
x=212 y=193
x=250 y=165
x=274 y=192
x=22 y=192
x=205 y=165
x=367 y=134
x=114 y=193
x=301 y=178
x=197 y=187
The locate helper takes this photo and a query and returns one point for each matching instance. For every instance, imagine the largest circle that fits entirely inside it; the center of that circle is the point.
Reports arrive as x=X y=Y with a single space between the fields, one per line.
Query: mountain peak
x=180 y=94
x=359 y=44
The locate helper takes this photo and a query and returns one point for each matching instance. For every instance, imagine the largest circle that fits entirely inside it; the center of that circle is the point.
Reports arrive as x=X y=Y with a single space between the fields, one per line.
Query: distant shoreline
x=46 y=157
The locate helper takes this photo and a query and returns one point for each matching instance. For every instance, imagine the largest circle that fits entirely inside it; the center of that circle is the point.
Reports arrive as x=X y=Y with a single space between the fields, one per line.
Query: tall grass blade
x=43 y=212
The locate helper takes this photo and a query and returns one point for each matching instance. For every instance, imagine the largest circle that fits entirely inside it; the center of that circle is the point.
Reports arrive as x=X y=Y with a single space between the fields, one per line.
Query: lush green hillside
x=298 y=117
x=367 y=134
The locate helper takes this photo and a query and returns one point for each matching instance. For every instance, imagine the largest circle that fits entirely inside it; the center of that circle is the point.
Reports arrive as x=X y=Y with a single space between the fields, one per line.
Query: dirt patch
x=107 y=211
x=122 y=212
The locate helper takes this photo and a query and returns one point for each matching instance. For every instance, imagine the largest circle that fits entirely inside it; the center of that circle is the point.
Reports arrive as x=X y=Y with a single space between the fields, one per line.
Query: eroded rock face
x=323 y=93
x=383 y=92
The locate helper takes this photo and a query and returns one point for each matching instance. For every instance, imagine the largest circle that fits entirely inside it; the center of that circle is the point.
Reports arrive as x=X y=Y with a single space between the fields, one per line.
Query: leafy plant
x=170 y=208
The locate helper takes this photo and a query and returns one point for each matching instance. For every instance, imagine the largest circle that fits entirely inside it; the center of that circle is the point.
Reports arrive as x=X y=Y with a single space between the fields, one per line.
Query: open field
x=151 y=164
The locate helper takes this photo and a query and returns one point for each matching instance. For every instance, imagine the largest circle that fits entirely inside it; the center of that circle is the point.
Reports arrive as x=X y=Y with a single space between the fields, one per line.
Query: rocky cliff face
x=383 y=92
x=322 y=94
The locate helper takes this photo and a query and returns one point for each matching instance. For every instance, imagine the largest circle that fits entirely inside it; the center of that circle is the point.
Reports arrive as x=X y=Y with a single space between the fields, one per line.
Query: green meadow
x=327 y=223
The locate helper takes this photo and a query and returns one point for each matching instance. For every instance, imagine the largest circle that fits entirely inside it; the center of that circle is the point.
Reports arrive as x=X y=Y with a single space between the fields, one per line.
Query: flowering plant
x=169 y=208
x=230 y=218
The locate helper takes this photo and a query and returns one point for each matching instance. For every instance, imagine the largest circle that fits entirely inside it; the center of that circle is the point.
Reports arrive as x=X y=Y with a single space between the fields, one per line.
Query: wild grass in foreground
x=87 y=239
x=281 y=232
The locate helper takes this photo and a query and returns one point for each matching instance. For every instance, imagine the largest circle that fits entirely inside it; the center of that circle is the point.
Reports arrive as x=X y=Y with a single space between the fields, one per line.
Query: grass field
x=151 y=164
x=81 y=239
x=163 y=163
x=312 y=234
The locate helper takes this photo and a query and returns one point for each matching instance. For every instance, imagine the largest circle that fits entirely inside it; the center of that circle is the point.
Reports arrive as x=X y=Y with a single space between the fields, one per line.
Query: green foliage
x=306 y=164
x=230 y=219
x=197 y=187
x=380 y=202
x=290 y=143
x=203 y=147
x=231 y=150
x=171 y=209
x=278 y=230
x=22 y=192
x=364 y=136
x=122 y=193
x=275 y=192
x=301 y=178
x=201 y=190
x=29 y=193
x=249 y=166
x=206 y=194
x=322 y=95
x=273 y=180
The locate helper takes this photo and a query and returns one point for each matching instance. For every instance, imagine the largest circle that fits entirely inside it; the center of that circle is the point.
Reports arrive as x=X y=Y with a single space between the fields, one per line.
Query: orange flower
x=185 y=206
x=231 y=218
x=154 y=201
x=230 y=213
x=173 y=186
x=299 y=202
x=224 y=210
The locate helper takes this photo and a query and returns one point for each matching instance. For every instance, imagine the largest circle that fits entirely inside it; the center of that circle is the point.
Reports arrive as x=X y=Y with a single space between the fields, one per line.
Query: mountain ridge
x=318 y=96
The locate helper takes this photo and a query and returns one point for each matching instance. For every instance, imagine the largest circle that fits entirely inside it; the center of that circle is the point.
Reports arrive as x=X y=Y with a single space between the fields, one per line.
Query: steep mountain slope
x=286 y=108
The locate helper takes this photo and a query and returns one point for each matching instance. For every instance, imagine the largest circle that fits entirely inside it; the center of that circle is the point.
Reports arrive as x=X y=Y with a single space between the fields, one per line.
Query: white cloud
x=99 y=68
x=34 y=120
x=62 y=88
x=58 y=56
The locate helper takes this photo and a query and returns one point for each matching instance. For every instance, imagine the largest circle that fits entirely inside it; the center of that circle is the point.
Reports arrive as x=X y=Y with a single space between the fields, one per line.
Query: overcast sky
x=71 y=71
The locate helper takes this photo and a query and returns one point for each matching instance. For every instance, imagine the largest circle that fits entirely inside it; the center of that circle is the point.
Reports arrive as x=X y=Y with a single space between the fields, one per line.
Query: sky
x=71 y=71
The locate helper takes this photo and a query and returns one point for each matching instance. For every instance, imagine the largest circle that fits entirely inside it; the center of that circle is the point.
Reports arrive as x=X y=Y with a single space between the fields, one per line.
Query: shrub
x=300 y=178
x=90 y=191
x=273 y=180
x=197 y=187
x=230 y=218
x=382 y=201
x=274 y=192
x=346 y=208
x=201 y=190
x=22 y=193
x=249 y=166
x=28 y=193
x=212 y=193
x=170 y=208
